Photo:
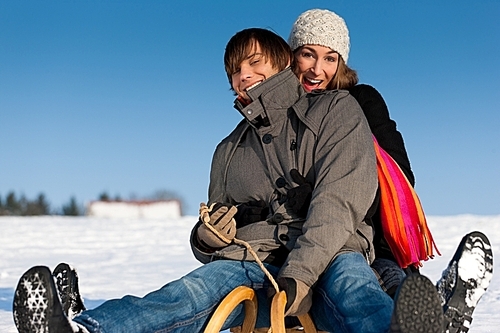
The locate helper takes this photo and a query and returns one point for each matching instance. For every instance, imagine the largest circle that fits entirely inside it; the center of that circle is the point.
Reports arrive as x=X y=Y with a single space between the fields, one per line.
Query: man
x=321 y=261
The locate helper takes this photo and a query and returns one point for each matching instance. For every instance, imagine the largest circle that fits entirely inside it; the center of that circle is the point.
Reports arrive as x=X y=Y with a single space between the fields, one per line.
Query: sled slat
x=278 y=312
x=307 y=323
x=239 y=295
x=247 y=296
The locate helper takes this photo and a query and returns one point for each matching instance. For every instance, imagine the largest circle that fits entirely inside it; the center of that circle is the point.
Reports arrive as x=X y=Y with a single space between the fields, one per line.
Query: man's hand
x=251 y=212
x=298 y=296
x=299 y=198
x=220 y=217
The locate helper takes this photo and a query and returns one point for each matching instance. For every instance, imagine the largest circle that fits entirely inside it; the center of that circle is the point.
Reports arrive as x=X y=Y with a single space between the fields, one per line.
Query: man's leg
x=348 y=298
x=183 y=305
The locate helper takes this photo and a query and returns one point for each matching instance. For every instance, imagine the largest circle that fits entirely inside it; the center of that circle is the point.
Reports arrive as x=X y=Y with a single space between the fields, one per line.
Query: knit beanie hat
x=320 y=27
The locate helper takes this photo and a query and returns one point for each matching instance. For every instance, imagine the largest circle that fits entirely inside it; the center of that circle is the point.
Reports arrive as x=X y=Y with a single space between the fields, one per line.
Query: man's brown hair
x=273 y=47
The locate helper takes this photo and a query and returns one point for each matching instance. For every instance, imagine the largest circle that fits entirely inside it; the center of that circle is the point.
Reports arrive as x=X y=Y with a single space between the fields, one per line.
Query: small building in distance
x=147 y=209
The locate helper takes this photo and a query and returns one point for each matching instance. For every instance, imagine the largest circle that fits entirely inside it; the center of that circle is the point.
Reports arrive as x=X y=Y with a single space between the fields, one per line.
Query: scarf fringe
x=403 y=220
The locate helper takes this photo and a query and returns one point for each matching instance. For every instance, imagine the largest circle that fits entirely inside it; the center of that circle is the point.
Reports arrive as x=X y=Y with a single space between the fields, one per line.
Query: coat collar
x=279 y=92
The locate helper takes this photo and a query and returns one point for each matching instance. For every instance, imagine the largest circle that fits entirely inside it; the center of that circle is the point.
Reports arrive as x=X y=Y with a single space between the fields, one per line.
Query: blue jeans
x=347 y=299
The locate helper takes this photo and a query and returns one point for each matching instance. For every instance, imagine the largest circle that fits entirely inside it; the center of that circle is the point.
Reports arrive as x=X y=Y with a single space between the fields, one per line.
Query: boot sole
x=417 y=307
x=67 y=288
x=36 y=306
x=465 y=281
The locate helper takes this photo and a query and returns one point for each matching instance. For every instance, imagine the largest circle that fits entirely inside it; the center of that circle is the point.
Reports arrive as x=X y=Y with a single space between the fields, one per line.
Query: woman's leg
x=391 y=274
x=348 y=298
x=183 y=305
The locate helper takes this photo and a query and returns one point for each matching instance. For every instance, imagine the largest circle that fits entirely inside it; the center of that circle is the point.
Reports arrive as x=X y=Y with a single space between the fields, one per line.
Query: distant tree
x=23 y=204
x=3 y=211
x=104 y=196
x=71 y=208
x=12 y=205
x=39 y=206
x=163 y=195
x=43 y=205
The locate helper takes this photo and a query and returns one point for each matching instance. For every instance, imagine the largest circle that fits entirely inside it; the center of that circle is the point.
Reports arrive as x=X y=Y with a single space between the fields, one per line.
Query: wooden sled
x=247 y=296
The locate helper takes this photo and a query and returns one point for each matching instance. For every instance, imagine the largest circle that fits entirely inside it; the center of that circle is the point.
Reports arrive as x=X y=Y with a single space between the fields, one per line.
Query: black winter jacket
x=390 y=139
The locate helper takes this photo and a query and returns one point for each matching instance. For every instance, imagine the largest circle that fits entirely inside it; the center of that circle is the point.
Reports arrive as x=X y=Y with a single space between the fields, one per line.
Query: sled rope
x=403 y=220
x=204 y=210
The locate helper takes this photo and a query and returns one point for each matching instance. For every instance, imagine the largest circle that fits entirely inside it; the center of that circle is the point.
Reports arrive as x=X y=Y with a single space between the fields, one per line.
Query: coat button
x=277 y=218
x=284 y=238
x=280 y=182
x=267 y=138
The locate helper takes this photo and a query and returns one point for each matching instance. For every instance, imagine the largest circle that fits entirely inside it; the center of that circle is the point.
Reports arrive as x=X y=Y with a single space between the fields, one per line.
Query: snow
x=115 y=257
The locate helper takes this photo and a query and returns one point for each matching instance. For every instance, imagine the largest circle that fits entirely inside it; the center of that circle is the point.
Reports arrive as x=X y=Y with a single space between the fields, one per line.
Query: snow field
x=115 y=257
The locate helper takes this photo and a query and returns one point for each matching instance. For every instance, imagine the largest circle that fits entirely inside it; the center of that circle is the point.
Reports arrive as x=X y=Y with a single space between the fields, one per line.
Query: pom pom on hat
x=320 y=27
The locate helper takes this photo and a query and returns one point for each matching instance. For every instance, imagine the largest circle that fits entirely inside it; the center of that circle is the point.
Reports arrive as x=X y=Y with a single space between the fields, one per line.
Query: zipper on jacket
x=293 y=150
x=368 y=249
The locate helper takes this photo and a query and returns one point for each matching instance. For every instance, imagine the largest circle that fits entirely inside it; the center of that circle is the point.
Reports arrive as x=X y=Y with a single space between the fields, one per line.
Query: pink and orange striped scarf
x=403 y=221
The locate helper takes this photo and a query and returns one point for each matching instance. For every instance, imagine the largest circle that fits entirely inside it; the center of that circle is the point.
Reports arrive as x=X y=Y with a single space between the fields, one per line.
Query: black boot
x=67 y=287
x=465 y=280
x=36 y=307
x=417 y=307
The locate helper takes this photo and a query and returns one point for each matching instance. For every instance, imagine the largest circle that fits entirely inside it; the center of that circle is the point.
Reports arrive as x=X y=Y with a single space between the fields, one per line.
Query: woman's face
x=315 y=66
x=251 y=72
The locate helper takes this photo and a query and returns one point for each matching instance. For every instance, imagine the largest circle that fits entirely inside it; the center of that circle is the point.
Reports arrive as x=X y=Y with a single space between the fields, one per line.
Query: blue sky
x=130 y=97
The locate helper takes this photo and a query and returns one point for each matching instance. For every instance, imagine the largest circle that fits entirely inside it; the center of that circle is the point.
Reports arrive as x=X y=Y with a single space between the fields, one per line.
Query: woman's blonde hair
x=345 y=77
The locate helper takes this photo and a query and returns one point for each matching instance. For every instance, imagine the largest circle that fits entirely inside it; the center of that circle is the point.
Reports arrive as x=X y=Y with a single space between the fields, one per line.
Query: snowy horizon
x=116 y=257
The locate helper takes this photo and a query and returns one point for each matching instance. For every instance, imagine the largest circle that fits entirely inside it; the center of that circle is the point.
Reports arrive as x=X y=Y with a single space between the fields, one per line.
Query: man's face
x=251 y=72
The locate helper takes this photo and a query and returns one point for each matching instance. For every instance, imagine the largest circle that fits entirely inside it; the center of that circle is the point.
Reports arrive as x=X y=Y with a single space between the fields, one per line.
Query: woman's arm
x=382 y=126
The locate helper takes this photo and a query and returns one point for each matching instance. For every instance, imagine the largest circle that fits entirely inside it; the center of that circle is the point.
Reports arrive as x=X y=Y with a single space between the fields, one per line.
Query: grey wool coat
x=323 y=135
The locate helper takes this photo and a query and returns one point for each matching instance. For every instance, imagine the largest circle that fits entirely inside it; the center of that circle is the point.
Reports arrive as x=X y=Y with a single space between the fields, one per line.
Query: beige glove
x=220 y=217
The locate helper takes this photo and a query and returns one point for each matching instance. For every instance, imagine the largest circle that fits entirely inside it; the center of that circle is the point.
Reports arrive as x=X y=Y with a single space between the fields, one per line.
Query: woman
x=320 y=42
